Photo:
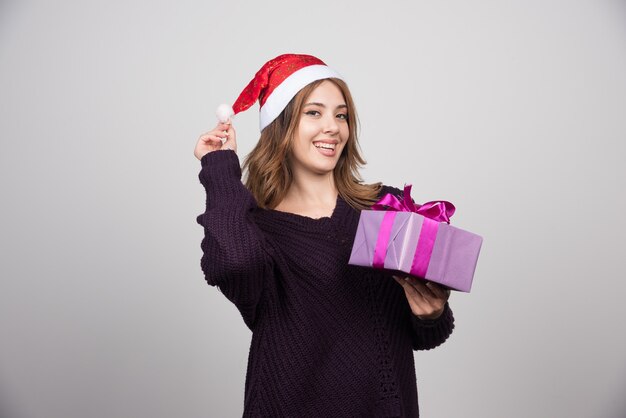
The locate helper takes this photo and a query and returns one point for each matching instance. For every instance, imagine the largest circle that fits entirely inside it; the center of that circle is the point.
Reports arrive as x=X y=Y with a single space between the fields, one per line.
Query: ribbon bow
x=437 y=210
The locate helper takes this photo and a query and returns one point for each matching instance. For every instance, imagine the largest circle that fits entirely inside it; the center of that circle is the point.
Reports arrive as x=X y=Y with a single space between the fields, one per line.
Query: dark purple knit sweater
x=328 y=339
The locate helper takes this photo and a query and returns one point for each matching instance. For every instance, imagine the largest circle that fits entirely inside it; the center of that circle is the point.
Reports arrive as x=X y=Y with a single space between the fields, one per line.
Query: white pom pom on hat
x=224 y=112
x=275 y=84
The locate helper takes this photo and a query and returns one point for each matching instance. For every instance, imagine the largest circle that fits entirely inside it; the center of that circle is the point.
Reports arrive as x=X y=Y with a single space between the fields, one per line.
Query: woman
x=328 y=338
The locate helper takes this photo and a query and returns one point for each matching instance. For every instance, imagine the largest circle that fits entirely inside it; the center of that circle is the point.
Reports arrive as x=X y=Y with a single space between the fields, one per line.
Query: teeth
x=326 y=146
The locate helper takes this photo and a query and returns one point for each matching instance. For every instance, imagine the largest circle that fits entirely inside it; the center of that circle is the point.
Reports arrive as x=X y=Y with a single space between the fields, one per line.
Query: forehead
x=327 y=93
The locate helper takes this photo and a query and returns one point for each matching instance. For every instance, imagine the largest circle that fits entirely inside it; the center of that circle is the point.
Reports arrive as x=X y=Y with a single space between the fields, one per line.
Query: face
x=322 y=132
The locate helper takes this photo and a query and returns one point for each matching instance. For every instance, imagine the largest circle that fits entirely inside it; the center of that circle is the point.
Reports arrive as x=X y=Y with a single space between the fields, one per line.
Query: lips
x=326 y=147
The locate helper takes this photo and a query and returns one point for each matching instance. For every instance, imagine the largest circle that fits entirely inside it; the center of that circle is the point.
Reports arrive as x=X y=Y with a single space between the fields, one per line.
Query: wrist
x=430 y=317
x=433 y=316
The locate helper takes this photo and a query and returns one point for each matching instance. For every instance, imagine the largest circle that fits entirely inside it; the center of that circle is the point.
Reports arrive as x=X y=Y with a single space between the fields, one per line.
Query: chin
x=323 y=168
x=326 y=168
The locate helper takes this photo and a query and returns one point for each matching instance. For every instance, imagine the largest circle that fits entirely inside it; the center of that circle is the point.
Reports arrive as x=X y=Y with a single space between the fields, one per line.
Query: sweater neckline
x=307 y=221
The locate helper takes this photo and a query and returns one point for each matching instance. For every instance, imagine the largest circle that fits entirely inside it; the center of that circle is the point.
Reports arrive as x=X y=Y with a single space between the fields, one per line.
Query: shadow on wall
x=7 y=408
x=619 y=412
x=8 y=9
x=617 y=405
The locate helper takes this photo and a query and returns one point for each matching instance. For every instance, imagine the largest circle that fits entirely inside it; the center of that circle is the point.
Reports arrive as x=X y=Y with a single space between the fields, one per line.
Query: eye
x=343 y=116
x=312 y=113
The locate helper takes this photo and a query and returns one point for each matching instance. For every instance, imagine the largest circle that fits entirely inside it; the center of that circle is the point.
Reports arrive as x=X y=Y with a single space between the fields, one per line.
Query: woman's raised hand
x=427 y=299
x=222 y=137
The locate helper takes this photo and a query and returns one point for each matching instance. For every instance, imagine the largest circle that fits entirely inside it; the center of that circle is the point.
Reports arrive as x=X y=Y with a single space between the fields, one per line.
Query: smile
x=329 y=144
x=325 y=145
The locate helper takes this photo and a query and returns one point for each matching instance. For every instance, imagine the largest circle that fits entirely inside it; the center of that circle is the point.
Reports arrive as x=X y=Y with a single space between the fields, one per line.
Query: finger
x=411 y=293
x=403 y=281
x=231 y=132
x=420 y=306
x=231 y=138
x=407 y=281
x=418 y=303
x=221 y=131
x=420 y=286
x=223 y=126
x=438 y=290
x=212 y=138
x=215 y=132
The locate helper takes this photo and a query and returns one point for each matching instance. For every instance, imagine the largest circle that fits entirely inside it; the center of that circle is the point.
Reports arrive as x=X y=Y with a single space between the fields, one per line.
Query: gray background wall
x=513 y=110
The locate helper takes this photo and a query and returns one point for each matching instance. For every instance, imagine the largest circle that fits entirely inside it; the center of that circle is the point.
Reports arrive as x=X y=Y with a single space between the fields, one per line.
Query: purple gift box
x=402 y=239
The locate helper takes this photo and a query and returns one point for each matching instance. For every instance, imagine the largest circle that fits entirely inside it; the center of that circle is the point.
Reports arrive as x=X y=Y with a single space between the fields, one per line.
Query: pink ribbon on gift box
x=433 y=212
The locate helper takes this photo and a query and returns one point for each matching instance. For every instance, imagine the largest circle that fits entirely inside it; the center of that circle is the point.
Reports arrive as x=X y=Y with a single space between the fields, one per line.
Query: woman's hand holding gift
x=426 y=299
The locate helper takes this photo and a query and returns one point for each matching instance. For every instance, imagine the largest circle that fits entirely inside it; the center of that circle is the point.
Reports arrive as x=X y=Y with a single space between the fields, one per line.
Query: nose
x=331 y=127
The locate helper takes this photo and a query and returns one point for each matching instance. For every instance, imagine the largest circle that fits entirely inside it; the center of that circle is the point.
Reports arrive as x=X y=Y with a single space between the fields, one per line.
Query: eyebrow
x=341 y=106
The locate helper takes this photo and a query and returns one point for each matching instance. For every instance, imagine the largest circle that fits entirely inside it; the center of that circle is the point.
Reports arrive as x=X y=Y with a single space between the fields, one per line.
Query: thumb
x=231 y=141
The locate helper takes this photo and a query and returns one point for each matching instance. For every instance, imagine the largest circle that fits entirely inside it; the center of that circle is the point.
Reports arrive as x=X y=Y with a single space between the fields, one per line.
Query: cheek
x=306 y=132
x=345 y=131
x=300 y=147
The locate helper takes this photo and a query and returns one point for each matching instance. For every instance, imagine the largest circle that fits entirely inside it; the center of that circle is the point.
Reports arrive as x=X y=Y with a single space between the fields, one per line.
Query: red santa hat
x=275 y=84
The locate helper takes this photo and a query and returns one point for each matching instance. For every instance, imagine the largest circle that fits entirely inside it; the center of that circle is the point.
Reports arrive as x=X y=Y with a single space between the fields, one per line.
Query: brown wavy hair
x=267 y=168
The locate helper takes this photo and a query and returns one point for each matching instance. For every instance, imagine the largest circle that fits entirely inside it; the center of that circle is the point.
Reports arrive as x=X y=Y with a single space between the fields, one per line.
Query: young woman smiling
x=328 y=338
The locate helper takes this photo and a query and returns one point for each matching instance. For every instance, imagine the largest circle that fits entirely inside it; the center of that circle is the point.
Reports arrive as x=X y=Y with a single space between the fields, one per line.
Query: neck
x=310 y=195
x=313 y=190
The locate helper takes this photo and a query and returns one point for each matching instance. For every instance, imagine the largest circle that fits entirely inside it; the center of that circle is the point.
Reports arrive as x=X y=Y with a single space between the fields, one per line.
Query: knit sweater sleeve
x=429 y=334
x=234 y=258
